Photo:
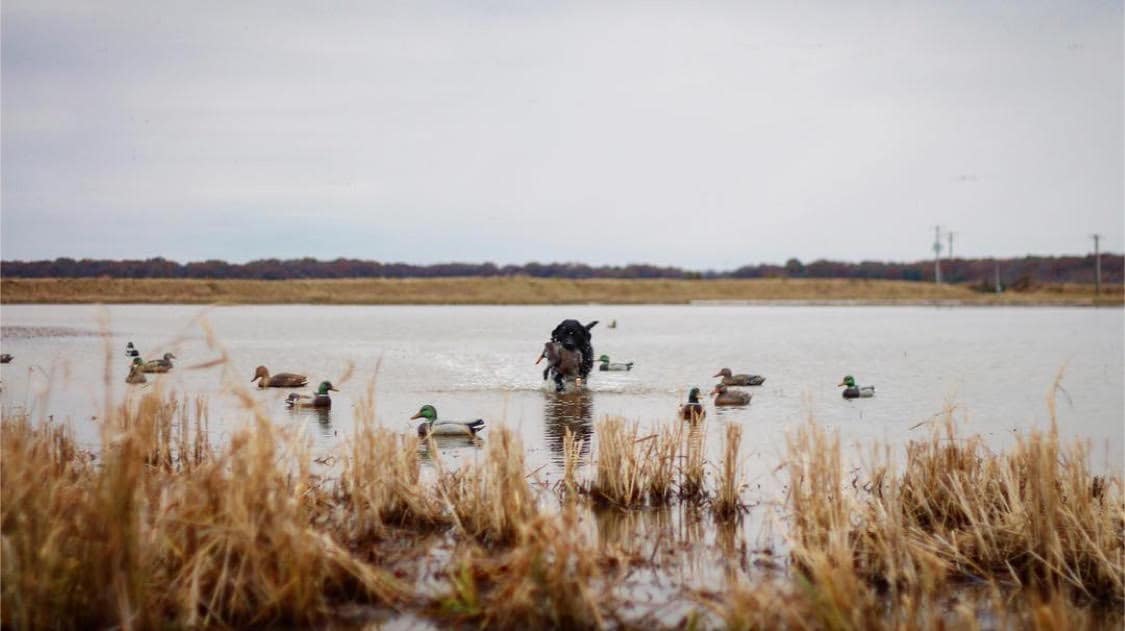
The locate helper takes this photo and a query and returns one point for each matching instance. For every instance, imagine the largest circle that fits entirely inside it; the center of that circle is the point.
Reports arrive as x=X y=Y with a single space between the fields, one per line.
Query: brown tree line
x=1013 y=271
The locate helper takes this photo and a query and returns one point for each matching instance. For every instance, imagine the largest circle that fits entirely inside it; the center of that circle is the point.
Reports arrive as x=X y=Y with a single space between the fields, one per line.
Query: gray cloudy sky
x=701 y=135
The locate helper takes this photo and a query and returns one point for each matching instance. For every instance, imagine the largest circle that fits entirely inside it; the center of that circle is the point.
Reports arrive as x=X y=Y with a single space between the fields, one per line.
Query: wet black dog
x=574 y=336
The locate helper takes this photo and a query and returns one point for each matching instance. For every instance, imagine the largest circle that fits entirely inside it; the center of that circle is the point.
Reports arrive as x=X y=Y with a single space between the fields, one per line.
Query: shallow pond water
x=996 y=364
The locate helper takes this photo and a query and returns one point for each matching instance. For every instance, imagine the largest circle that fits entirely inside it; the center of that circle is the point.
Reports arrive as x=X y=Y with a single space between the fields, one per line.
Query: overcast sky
x=701 y=135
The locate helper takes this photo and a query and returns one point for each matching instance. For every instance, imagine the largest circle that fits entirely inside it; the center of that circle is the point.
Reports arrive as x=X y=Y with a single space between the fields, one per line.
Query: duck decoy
x=432 y=426
x=280 y=380
x=160 y=365
x=693 y=409
x=852 y=391
x=131 y=351
x=739 y=380
x=136 y=371
x=318 y=400
x=607 y=365
x=5 y=358
x=729 y=397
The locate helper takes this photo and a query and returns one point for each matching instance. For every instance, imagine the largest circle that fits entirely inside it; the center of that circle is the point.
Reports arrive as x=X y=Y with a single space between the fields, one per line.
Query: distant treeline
x=1014 y=271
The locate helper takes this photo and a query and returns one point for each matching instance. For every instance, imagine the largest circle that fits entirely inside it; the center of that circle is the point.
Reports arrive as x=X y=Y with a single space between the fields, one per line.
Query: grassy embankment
x=524 y=290
x=163 y=528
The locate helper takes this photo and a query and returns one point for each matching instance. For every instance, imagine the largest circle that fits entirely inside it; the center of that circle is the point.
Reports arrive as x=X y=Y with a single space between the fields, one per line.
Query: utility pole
x=937 y=254
x=1097 y=265
x=997 y=276
x=949 y=255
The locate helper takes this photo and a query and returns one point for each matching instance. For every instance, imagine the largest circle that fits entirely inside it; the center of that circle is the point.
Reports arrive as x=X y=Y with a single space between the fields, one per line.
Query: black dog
x=576 y=337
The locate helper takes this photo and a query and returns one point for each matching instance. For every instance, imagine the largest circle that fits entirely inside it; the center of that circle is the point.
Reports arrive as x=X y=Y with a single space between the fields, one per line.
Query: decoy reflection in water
x=570 y=410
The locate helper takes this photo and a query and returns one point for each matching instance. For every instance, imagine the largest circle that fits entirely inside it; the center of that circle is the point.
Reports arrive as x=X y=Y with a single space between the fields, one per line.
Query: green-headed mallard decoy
x=136 y=371
x=431 y=424
x=739 y=380
x=280 y=380
x=729 y=397
x=852 y=391
x=160 y=365
x=693 y=409
x=131 y=351
x=318 y=400
x=607 y=365
x=5 y=358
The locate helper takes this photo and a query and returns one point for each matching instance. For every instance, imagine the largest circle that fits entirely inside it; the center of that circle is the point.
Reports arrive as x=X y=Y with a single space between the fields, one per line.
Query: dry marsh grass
x=161 y=527
x=524 y=290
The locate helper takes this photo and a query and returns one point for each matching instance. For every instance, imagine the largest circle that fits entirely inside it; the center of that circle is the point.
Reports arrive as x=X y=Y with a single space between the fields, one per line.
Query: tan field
x=530 y=291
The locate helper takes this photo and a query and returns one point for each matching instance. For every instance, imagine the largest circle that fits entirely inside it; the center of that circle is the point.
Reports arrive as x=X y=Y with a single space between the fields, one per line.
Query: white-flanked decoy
x=432 y=426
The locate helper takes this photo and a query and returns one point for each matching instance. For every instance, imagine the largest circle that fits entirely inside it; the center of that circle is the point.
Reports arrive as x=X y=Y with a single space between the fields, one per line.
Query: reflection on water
x=568 y=410
x=318 y=418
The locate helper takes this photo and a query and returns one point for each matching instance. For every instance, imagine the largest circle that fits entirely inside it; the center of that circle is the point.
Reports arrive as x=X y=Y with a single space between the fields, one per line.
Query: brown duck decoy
x=693 y=409
x=739 y=380
x=280 y=380
x=160 y=365
x=729 y=397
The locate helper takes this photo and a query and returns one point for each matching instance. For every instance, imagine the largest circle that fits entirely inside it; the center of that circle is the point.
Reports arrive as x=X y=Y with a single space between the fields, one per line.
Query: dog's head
x=572 y=334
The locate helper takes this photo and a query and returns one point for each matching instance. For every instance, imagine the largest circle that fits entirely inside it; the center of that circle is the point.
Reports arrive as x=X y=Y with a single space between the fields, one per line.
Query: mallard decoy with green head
x=432 y=426
x=852 y=391
x=160 y=365
x=607 y=365
x=723 y=396
x=318 y=400
x=693 y=409
x=136 y=371
x=280 y=380
x=739 y=380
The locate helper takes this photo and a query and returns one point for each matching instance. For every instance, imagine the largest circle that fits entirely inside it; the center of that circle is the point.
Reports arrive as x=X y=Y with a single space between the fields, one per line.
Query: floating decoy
x=739 y=380
x=136 y=371
x=612 y=324
x=607 y=365
x=5 y=358
x=131 y=351
x=318 y=400
x=432 y=426
x=729 y=397
x=852 y=391
x=280 y=380
x=693 y=409
x=160 y=365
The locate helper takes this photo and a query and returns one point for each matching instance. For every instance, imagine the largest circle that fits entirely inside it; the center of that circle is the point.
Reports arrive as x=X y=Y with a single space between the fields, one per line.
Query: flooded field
x=995 y=367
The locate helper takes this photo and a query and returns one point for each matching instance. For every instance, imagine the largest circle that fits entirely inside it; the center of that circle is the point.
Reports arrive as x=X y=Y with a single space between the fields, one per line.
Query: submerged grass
x=163 y=528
